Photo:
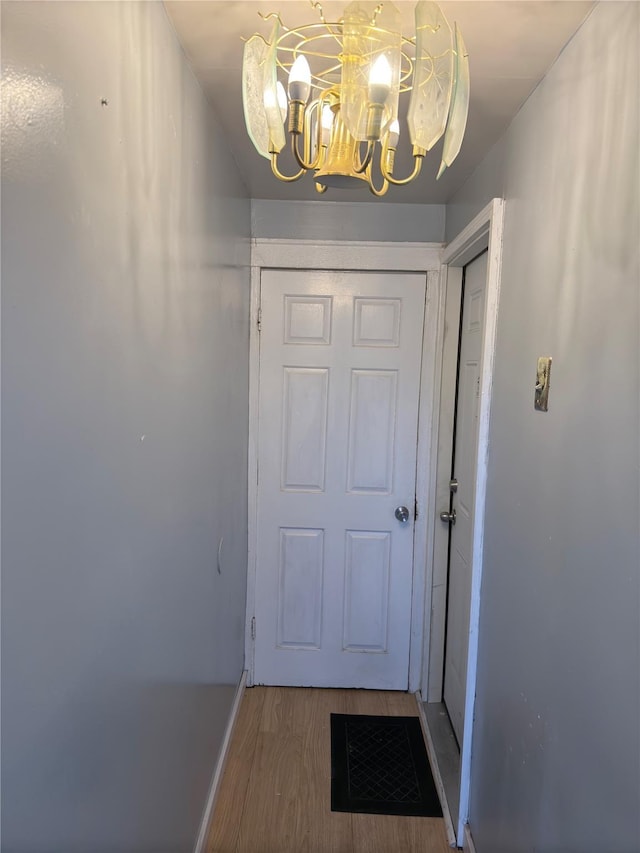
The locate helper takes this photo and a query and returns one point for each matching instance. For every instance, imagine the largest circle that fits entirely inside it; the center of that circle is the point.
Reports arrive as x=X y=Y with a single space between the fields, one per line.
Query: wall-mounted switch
x=543 y=377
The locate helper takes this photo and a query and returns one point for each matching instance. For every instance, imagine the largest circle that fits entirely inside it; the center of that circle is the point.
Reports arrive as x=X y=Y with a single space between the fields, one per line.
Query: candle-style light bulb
x=282 y=100
x=268 y=99
x=300 y=80
x=379 y=80
x=393 y=134
x=327 y=124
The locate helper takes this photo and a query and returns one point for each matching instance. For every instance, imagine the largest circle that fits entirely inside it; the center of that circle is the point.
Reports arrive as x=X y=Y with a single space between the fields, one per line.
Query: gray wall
x=345 y=220
x=125 y=336
x=555 y=767
x=485 y=183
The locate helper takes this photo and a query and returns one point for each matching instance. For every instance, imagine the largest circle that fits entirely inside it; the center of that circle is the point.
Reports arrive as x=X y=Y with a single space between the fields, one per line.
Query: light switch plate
x=543 y=378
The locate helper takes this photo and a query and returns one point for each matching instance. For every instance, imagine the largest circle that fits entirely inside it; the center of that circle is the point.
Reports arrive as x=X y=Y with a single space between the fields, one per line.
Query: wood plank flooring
x=275 y=795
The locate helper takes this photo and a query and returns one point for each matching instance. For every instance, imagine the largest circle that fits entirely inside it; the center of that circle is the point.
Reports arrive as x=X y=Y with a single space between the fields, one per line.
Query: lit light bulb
x=300 y=80
x=327 y=124
x=380 y=80
x=282 y=100
x=394 y=134
x=271 y=99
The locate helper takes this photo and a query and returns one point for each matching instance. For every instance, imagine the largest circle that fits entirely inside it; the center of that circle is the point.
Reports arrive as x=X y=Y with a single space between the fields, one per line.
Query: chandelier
x=345 y=80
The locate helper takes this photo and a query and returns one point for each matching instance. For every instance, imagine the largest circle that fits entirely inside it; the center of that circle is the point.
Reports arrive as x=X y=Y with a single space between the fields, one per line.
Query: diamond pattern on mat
x=380 y=763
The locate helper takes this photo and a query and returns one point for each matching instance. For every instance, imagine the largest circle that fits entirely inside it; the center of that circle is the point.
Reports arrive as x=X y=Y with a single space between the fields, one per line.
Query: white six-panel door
x=465 y=458
x=340 y=356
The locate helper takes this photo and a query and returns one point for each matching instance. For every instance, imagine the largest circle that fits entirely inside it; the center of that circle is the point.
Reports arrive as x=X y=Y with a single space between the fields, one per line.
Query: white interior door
x=465 y=456
x=340 y=356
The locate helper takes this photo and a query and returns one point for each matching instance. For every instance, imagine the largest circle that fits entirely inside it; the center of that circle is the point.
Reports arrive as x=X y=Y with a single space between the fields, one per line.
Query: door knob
x=402 y=514
x=448 y=517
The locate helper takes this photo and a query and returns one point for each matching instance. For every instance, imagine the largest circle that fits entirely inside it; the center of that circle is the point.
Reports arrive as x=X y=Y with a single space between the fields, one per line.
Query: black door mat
x=379 y=765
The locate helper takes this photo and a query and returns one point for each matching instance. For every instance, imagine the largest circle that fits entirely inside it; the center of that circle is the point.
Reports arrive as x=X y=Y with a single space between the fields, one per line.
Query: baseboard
x=469 y=846
x=207 y=815
x=437 y=778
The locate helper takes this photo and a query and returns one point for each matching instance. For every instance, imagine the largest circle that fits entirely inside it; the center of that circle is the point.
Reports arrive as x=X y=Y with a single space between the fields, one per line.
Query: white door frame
x=483 y=232
x=342 y=255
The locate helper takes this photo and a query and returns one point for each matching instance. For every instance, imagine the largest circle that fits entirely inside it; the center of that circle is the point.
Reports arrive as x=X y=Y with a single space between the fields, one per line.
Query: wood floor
x=275 y=792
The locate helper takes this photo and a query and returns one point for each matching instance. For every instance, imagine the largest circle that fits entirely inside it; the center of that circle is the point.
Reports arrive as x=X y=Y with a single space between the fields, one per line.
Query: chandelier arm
x=300 y=159
x=372 y=187
x=361 y=166
x=317 y=106
x=306 y=139
x=303 y=160
x=418 y=155
x=278 y=173
x=320 y=149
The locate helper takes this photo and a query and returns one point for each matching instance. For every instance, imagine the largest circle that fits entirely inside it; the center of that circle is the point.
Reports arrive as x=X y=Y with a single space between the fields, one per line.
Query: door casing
x=485 y=231
x=333 y=255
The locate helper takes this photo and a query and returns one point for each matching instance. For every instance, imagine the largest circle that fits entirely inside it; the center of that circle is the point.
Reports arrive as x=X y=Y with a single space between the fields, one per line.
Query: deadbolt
x=453 y=485
x=448 y=517
x=402 y=514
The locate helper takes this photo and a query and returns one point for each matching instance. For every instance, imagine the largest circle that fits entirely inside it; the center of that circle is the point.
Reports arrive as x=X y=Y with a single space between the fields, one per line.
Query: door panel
x=371 y=431
x=304 y=416
x=465 y=454
x=367 y=574
x=300 y=588
x=340 y=357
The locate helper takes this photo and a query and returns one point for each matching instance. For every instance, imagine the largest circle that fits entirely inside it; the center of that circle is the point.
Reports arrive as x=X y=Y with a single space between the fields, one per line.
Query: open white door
x=484 y=232
x=340 y=356
x=463 y=492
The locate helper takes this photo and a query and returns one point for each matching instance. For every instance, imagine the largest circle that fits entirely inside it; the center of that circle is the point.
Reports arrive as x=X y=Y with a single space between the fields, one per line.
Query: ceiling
x=511 y=45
